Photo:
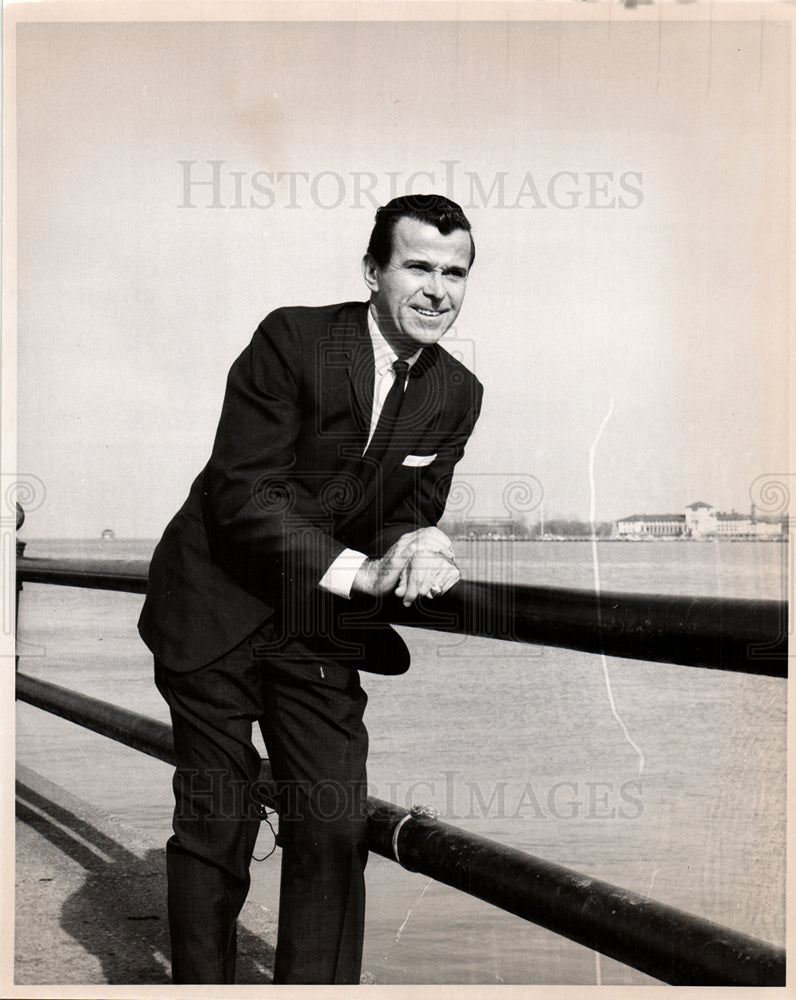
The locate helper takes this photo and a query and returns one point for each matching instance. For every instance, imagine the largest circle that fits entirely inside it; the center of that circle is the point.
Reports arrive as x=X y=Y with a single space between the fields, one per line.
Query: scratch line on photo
x=596 y=570
x=412 y=909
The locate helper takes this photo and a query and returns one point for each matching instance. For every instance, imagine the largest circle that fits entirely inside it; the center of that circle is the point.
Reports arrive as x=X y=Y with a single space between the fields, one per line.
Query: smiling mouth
x=431 y=313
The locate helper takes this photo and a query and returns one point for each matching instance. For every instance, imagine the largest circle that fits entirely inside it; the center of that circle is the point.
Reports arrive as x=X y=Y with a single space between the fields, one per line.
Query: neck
x=403 y=346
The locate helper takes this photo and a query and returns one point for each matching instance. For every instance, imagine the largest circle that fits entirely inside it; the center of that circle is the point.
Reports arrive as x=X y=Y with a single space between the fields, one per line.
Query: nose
x=433 y=285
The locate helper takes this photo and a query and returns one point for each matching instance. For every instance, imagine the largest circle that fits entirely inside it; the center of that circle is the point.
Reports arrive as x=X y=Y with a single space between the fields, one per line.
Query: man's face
x=418 y=294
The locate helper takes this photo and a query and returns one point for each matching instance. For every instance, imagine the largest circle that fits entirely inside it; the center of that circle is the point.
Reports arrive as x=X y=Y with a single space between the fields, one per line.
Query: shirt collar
x=383 y=354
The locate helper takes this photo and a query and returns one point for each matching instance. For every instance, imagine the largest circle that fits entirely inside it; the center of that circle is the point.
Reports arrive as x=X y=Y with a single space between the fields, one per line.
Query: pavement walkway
x=90 y=898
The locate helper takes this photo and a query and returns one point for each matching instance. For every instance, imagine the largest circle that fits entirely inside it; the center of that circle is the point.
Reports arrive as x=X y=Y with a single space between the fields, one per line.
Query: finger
x=410 y=594
x=434 y=538
x=406 y=544
x=443 y=582
x=439 y=574
x=427 y=570
x=430 y=586
x=429 y=567
x=413 y=584
x=443 y=541
x=449 y=582
x=426 y=553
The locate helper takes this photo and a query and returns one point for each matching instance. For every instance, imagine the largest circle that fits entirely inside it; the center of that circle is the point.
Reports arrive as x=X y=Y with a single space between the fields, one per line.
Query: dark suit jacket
x=287 y=489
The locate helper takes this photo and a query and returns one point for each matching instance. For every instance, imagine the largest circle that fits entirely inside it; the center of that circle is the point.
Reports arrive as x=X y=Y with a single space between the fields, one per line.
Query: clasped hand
x=419 y=564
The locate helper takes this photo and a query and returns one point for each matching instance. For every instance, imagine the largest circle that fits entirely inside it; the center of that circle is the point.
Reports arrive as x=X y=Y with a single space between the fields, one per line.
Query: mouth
x=429 y=313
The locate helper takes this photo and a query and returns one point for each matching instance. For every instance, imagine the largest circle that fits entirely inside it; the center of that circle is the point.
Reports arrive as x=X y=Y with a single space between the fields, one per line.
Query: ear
x=370 y=272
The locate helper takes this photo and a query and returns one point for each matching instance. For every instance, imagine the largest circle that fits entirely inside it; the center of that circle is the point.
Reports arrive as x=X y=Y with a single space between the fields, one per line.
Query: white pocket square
x=417 y=460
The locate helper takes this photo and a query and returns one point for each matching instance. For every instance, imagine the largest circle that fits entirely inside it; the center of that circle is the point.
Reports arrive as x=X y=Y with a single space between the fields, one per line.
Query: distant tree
x=518 y=527
x=575 y=528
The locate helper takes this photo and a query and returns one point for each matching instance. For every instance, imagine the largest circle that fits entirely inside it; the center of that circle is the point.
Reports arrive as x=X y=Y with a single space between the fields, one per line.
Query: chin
x=427 y=334
x=425 y=338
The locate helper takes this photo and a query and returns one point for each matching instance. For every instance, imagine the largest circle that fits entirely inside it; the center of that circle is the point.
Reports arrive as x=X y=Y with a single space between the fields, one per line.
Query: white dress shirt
x=339 y=577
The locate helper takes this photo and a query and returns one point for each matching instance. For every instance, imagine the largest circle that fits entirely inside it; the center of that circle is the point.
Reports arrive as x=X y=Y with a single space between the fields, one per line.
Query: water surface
x=666 y=780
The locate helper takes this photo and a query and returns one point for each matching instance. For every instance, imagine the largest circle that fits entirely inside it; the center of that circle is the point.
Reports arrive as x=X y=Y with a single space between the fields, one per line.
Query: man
x=331 y=466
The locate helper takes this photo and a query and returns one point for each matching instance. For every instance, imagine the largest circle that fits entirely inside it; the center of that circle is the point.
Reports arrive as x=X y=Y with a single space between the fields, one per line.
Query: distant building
x=651 y=525
x=700 y=520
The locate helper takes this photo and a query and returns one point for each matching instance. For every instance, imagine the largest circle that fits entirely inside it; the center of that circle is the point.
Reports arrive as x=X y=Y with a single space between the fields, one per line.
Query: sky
x=626 y=179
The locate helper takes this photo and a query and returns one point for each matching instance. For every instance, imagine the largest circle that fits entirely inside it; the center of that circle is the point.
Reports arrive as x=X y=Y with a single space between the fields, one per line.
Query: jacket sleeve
x=426 y=505
x=265 y=527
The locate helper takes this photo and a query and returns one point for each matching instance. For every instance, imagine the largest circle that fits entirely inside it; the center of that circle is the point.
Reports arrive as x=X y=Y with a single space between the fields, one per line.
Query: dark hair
x=433 y=209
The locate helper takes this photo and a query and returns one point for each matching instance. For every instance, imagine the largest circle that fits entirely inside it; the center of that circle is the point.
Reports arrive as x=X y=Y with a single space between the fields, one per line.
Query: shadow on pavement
x=119 y=912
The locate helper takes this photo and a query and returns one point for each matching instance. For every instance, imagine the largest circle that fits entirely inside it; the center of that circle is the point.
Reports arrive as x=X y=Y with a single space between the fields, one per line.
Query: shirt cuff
x=339 y=577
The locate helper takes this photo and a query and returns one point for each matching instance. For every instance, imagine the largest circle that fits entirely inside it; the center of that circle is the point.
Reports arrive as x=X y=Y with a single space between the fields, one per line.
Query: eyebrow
x=453 y=269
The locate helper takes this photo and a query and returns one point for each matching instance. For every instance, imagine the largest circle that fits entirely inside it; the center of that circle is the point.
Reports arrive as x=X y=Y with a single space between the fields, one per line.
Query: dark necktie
x=388 y=417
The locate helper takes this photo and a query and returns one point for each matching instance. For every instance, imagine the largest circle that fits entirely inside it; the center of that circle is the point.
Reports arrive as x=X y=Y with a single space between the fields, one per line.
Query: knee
x=329 y=823
x=214 y=793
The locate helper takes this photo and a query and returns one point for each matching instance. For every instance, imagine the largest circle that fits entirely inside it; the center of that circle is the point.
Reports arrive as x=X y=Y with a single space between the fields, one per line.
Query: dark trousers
x=310 y=712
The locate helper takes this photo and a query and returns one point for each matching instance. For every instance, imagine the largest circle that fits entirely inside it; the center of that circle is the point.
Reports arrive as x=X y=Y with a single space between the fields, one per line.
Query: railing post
x=20 y=555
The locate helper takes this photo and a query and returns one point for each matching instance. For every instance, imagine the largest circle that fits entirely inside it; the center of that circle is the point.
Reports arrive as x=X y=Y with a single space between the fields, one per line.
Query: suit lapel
x=345 y=369
x=361 y=378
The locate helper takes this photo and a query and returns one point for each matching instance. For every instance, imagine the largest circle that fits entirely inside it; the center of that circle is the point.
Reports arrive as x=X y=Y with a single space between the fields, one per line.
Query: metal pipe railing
x=134 y=730
x=662 y=941
x=129 y=575
x=749 y=636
